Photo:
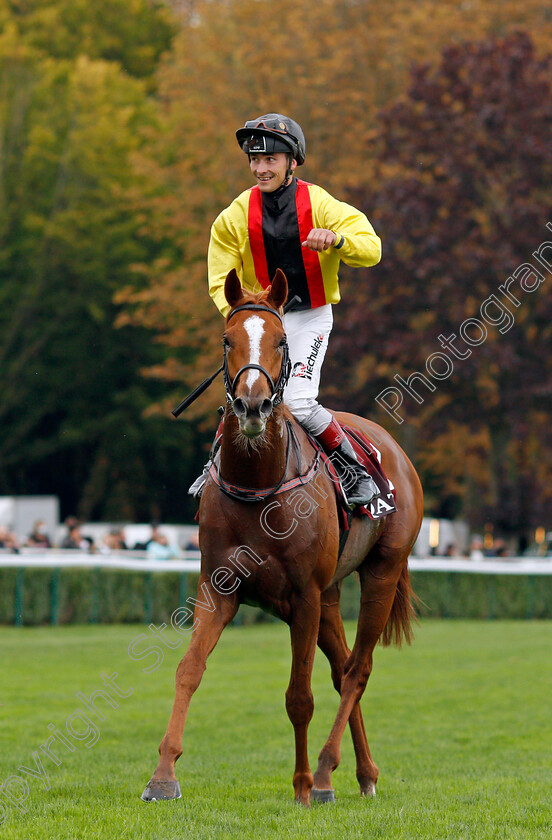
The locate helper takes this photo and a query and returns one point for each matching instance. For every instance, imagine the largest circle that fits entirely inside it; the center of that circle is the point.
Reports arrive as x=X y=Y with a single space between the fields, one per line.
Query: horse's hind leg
x=299 y=701
x=333 y=643
x=379 y=577
x=213 y=612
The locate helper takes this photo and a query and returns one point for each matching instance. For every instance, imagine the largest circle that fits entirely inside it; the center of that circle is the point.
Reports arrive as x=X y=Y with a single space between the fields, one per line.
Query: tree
x=332 y=64
x=461 y=200
x=71 y=416
x=131 y=33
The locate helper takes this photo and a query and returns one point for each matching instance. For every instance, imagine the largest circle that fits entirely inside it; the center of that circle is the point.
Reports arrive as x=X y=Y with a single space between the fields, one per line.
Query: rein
x=247 y=494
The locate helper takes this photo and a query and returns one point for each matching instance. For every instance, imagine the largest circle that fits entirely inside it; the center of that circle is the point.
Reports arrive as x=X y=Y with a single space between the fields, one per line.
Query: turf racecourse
x=460 y=725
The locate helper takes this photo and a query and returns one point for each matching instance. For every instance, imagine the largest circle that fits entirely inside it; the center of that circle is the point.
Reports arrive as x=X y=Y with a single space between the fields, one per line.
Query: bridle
x=277 y=388
x=246 y=494
x=230 y=385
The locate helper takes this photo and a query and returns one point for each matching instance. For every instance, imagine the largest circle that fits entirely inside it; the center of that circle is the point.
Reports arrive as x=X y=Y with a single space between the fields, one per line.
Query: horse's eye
x=225 y=343
x=283 y=341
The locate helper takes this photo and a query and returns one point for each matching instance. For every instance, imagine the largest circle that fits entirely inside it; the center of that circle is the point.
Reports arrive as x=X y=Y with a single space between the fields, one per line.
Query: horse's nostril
x=240 y=408
x=265 y=409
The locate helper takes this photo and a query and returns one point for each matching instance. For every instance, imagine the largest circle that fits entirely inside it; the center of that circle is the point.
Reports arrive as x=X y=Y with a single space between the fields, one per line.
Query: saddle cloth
x=370 y=457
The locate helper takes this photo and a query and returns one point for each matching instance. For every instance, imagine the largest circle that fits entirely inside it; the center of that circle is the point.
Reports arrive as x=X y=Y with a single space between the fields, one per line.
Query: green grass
x=460 y=725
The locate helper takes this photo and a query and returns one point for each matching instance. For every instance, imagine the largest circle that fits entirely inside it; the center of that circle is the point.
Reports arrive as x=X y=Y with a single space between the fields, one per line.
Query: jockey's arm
x=357 y=243
x=223 y=255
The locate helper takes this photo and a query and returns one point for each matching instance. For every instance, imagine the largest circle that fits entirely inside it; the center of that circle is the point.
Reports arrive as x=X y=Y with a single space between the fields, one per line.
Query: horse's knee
x=299 y=706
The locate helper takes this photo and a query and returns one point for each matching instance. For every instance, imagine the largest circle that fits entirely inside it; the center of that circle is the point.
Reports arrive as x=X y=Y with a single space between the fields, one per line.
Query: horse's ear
x=233 y=291
x=279 y=289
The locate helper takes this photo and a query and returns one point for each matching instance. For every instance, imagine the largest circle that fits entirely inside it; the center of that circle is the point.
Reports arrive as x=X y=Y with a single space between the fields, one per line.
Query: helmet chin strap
x=289 y=169
x=286 y=182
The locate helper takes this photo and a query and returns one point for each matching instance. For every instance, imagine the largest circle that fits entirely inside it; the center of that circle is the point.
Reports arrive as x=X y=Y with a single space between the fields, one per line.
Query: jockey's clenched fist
x=320 y=239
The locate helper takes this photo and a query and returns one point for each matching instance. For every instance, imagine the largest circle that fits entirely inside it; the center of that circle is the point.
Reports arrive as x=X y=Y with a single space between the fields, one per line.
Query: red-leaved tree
x=461 y=198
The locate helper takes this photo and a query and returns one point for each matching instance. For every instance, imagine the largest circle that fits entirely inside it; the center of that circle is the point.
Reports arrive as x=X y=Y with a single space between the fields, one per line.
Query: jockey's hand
x=320 y=239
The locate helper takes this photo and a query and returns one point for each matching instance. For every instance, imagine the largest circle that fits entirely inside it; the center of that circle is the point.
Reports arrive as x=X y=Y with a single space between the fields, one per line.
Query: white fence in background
x=135 y=561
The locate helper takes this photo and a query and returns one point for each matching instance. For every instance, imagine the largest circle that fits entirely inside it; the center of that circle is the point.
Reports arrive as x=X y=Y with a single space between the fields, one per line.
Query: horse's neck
x=253 y=464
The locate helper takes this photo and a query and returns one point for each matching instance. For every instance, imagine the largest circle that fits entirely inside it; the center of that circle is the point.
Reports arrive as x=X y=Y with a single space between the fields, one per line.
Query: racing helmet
x=272 y=133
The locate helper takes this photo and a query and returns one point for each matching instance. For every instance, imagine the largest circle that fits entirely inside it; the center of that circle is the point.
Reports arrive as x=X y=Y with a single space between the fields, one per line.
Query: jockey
x=283 y=222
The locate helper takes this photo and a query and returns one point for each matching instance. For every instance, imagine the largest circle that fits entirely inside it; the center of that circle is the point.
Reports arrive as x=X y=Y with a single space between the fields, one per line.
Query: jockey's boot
x=196 y=488
x=358 y=485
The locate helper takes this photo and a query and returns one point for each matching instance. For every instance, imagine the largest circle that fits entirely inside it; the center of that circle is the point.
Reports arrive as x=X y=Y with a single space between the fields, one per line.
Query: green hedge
x=79 y=596
x=463 y=595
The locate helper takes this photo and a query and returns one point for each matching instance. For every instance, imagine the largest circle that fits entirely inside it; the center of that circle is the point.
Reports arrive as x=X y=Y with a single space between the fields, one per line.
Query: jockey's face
x=270 y=170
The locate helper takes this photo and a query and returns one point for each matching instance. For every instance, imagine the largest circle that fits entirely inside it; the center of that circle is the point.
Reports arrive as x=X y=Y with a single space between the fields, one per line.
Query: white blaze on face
x=254 y=327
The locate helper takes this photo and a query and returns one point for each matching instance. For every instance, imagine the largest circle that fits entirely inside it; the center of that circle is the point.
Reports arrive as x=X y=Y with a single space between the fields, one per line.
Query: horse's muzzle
x=252 y=415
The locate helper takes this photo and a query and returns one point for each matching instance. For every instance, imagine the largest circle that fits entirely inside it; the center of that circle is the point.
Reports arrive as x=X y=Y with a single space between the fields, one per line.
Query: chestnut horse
x=281 y=552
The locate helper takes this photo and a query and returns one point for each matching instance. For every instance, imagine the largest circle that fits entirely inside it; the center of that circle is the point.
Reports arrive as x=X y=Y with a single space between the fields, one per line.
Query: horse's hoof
x=159 y=789
x=322 y=795
x=369 y=790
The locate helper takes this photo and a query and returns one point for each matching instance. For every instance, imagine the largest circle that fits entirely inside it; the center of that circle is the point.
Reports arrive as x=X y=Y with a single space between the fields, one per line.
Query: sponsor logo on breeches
x=305 y=370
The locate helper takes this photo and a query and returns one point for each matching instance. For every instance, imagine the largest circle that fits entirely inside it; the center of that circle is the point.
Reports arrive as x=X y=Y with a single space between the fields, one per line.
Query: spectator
x=38 y=538
x=142 y=546
x=114 y=541
x=8 y=540
x=193 y=542
x=159 y=548
x=450 y=550
x=500 y=549
x=476 y=549
x=74 y=539
x=70 y=522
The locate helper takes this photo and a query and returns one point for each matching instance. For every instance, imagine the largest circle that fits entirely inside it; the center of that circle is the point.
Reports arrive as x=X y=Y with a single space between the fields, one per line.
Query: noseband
x=277 y=388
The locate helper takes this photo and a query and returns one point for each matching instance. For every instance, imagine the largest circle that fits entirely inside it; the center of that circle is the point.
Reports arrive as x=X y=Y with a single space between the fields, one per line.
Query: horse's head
x=256 y=361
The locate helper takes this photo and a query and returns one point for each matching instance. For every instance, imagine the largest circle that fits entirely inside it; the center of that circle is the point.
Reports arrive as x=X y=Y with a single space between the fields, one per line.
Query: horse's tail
x=403 y=613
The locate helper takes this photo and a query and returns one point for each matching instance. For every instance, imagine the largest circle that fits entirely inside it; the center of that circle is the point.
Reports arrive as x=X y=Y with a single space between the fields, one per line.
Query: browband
x=256 y=306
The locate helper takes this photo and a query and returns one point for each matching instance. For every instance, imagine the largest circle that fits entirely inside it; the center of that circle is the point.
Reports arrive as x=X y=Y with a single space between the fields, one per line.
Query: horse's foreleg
x=299 y=699
x=212 y=613
x=378 y=586
x=333 y=643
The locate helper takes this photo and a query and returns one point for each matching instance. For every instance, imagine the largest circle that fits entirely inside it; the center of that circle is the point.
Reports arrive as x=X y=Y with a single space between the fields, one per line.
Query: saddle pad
x=381 y=505
x=384 y=503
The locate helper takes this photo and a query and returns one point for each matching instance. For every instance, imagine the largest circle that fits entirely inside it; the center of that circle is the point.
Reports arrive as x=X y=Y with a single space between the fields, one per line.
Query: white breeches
x=308 y=333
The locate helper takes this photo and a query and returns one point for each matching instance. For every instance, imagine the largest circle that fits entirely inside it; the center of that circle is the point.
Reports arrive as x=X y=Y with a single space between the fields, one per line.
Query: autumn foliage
x=461 y=201
x=118 y=151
